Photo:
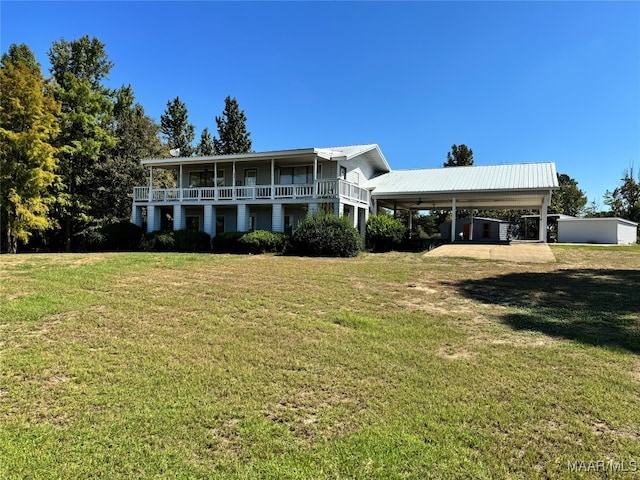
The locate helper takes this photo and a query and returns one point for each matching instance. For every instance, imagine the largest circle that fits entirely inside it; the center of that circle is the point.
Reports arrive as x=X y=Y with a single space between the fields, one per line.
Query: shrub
x=158 y=242
x=262 y=241
x=384 y=233
x=227 y=242
x=191 y=241
x=324 y=234
x=121 y=236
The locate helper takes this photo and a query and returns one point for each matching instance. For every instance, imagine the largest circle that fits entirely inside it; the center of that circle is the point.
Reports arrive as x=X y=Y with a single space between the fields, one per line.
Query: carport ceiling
x=466 y=200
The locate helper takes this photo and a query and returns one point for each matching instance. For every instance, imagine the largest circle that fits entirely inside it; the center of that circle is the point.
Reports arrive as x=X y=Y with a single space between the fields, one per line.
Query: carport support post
x=453 y=219
x=542 y=234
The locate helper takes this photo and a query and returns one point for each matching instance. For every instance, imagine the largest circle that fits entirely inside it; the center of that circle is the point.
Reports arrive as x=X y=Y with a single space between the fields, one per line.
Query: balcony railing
x=322 y=189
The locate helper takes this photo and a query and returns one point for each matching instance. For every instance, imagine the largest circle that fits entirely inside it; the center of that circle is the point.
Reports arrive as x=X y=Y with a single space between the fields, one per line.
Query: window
x=252 y=222
x=287 y=224
x=197 y=179
x=355 y=178
x=220 y=178
x=297 y=175
x=486 y=230
x=343 y=173
x=220 y=224
x=250 y=175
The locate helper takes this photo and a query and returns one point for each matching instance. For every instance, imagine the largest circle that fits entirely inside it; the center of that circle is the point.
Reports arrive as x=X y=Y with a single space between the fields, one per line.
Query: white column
x=339 y=208
x=273 y=179
x=542 y=234
x=242 y=218
x=471 y=227
x=233 y=180
x=150 y=184
x=153 y=219
x=315 y=176
x=277 y=217
x=136 y=215
x=179 y=220
x=209 y=220
x=453 y=219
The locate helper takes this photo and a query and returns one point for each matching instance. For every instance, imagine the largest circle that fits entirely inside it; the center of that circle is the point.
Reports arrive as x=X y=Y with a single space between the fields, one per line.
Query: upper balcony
x=320 y=190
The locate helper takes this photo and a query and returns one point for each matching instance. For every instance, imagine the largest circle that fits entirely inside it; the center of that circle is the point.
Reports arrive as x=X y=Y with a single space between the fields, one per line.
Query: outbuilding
x=609 y=230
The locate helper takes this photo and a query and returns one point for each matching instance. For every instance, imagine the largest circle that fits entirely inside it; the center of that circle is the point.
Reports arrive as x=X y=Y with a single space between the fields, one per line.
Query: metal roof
x=513 y=177
x=371 y=153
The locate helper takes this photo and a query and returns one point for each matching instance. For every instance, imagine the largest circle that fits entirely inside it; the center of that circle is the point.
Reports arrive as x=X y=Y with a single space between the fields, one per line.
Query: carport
x=495 y=187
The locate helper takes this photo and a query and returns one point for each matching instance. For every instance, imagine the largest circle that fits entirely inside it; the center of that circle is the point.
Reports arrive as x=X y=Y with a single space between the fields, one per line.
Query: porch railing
x=321 y=189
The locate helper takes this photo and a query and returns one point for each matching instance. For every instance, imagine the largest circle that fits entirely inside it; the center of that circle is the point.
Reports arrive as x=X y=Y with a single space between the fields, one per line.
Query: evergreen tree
x=569 y=199
x=459 y=156
x=232 y=130
x=175 y=126
x=22 y=54
x=120 y=170
x=84 y=58
x=78 y=68
x=206 y=145
x=29 y=121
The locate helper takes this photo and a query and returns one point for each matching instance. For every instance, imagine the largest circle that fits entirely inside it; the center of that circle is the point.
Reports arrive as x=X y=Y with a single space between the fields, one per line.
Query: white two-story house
x=259 y=191
x=275 y=190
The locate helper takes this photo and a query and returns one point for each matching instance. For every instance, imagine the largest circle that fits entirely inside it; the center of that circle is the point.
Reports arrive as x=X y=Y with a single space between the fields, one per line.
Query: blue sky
x=514 y=81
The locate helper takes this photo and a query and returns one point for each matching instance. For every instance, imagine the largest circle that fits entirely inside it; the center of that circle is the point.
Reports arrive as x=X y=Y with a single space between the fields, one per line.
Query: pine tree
x=79 y=68
x=175 y=126
x=206 y=145
x=459 y=156
x=232 y=130
x=120 y=169
x=29 y=121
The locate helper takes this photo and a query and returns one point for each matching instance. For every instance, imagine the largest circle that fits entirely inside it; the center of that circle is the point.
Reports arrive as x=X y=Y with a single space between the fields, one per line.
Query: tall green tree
x=232 y=130
x=176 y=129
x=569 y=199
x=120 y=170
x=29 y=122
x=84 y=59
x=22 y=54
x=459 y=156
x=624 y=200
x=206 y=145
x=79 y=68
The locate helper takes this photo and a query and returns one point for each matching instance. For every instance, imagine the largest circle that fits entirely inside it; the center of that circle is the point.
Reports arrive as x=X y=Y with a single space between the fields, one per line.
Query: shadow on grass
x=595 y=307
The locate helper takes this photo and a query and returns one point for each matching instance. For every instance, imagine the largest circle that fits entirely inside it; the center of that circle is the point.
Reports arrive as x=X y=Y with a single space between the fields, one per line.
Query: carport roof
x=522 y=176
x=520 y=186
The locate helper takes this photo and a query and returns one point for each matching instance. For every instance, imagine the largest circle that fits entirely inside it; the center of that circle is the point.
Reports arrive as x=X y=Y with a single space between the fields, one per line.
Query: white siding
x=597 y=230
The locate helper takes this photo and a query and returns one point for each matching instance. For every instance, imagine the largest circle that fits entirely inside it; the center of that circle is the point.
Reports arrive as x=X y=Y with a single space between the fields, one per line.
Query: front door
x=466 y=229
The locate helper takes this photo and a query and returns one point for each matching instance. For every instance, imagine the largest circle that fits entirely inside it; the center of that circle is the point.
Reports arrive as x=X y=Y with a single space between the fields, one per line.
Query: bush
x=228 y=242
x=384 y=233
x=326 y=235
x=176 y=241
x=158 y=242
x=262 y=241
x=121 y=236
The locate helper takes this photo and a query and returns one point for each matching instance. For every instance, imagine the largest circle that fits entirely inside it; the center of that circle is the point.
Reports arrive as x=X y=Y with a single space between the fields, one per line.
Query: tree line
x=70 y=149
x=70 y=146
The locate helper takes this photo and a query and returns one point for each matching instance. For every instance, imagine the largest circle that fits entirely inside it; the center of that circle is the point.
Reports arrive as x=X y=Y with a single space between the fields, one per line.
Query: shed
x=609 y=230
x=477 y=229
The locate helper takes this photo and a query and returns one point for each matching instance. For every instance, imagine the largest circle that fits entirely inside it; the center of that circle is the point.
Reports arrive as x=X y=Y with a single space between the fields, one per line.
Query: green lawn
x=384 y=366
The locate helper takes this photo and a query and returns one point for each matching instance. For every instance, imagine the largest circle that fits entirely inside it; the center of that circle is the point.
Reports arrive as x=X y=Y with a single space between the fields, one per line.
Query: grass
x=384 y=366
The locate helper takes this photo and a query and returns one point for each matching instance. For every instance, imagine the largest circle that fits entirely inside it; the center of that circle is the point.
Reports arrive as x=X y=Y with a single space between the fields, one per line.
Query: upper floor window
x=297 y=175
x=343 y=173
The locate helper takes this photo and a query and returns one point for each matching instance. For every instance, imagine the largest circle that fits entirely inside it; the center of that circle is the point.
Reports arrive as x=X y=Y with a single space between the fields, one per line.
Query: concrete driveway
x=516 y=252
